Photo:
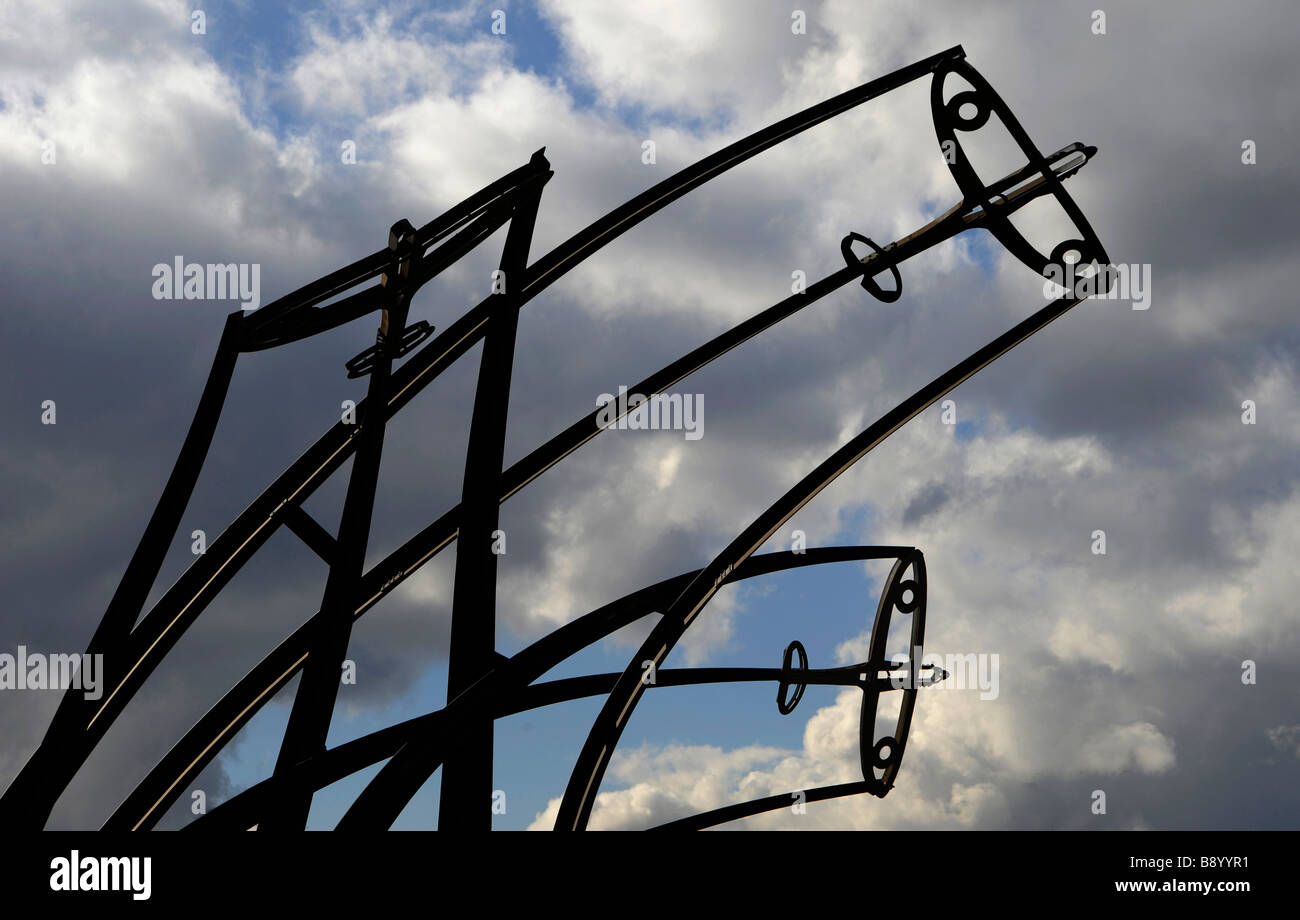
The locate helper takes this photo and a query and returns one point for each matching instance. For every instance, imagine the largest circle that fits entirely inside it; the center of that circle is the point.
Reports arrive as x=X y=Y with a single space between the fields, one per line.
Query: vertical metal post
x=467 y=774
x=313 y=706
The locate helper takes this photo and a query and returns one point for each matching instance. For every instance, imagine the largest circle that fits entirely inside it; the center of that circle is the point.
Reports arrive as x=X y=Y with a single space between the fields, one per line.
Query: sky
x=1161 y=673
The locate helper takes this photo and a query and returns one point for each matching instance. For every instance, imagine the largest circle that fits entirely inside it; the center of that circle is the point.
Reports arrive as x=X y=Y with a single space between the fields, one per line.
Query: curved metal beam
x=146 y=804
x=32 y=795
x=740 y=810
x=243 y=810
x=382 y=801
x=196 y=749
x=584 y=782
x=132 y=654
x=579 y=796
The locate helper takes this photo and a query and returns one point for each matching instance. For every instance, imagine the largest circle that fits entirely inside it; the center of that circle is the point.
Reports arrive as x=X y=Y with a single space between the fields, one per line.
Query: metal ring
x=868 y=280
x=787 y=706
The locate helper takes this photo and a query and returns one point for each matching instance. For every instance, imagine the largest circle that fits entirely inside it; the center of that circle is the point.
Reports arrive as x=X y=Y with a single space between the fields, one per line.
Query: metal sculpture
x=483 y=685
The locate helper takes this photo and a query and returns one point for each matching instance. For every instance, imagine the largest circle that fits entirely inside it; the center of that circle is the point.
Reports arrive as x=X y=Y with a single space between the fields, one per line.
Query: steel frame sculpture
x=484 y=685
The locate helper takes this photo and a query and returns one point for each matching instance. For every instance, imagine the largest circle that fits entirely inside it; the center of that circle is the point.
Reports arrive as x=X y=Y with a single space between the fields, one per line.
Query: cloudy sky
x=127 y=140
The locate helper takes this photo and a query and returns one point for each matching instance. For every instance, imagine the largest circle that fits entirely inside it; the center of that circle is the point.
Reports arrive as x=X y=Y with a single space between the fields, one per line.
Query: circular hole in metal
x=906 y=596
x=884 y=752
x=1072 y=252
x=968 y=111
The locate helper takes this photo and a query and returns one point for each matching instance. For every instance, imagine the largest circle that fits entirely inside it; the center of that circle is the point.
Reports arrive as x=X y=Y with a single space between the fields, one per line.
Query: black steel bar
x=162 y=627
x=759 y=806
x=579 y=796
x=567 y=689
x=507 y=685
x=587 y=241
x=155 y=794
x=181 y=604
x=467 y=777
x=478 y=226
x=78 y=724
x=405 y=773
x=313 y=706
x=483 y=672
x=386 y=575
x=306 y=528
x=285 y=660
x=241 y=811
x=372 y=266
x=584 y=782
x=147 y=560
x=28 y=799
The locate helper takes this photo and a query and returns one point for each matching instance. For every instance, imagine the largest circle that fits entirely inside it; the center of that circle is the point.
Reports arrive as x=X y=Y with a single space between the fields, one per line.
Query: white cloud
x=161 y=146
x=1140 y=745
x=675 y=54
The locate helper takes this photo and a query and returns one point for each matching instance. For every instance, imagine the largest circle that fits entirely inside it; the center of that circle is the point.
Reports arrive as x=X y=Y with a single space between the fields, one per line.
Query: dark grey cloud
x=1191 y=499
